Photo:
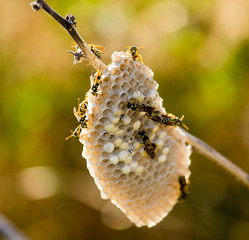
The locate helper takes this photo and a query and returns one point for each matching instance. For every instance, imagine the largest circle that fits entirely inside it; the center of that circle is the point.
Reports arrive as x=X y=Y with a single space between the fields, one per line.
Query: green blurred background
x=199 y=52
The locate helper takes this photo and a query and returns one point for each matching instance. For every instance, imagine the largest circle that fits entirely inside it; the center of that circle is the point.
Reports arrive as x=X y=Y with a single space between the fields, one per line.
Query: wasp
x=149 y=110
x=184 y=186
x=75 y=133
x=82 y=107
x=148 y=146
x=171 y=120
x=168 y=119
x=81 y=113
x=95 y=51
x=134 y=53
x=136 y=106
x=78 y=55
x=95 y=82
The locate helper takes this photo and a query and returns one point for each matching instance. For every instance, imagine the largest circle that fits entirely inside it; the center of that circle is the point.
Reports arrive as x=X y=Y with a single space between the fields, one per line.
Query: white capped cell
x=124 y=145
x=109 y=127
x=114 y=120
x=126 y=169
x=137 y=145
x=159 y=143
x=120 y=132
x=133 y=164
x=117 y=141
x=136 y=125
x=126 y=120
x=114 y=159
x=139 y=169
x=142 y=113
x=138 y=95
x=108 y=147
x=155 y=128
x=165 y=151
x=162 y=158
x=118 y=112
x=162 y=134
x=128 y=160
x=115 y=129
x=122 y=155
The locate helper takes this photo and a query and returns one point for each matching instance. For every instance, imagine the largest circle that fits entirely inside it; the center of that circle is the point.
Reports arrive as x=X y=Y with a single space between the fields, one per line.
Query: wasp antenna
x=74 y=44
x=76 y=113
x=98 y=46
x=185 y=126
x=140 y=47
x=182 y=117
x=68 y=137
x=101 y=52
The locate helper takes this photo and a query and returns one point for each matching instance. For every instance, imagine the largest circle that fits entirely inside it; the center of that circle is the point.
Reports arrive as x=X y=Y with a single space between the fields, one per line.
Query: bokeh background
x=199 y=52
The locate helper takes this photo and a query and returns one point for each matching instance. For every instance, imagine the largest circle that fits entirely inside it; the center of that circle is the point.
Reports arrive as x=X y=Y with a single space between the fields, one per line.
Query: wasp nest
x=144 y=186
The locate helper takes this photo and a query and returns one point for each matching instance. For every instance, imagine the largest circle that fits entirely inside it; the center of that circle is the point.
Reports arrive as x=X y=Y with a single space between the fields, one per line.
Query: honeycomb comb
x=145 y=189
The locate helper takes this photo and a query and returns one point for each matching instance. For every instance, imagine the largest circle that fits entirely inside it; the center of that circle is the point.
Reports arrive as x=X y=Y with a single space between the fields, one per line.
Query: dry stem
x=196 y=143
x=9 y=231
x=202 y=148
x=69 y=24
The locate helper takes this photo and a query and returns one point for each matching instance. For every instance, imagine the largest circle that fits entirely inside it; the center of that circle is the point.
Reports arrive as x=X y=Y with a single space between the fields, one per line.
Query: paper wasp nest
x=145 y=189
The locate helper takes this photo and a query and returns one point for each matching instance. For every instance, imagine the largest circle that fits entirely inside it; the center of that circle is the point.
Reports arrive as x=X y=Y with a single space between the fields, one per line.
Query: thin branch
x=69 y=24
x=202 y=148
x=9 y=231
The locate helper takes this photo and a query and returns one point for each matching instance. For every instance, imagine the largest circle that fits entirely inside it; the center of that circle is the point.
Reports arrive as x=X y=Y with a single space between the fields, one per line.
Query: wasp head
x=133 y=50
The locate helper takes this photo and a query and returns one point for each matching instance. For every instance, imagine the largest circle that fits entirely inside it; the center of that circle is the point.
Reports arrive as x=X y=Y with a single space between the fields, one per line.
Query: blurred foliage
x=199 y=52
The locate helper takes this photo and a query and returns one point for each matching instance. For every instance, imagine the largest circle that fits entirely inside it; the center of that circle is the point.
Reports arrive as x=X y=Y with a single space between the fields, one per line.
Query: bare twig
x=202 y=148
x=9 y=231
x=69 y=24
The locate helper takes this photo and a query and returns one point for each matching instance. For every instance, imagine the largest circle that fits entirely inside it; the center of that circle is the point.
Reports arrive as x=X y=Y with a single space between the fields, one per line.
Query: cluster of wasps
x=168 y=119
x=79 y=55
x=80 y=114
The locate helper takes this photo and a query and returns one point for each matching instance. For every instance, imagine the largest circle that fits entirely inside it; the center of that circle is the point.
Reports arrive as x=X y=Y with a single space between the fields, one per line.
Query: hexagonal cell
x=116 y=88
x=116 y=71
x=124 y=96
x=123 y=67
x=118 y=80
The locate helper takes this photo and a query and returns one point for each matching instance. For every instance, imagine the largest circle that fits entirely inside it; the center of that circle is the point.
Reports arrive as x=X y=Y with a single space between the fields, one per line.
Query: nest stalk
x=69 y=24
